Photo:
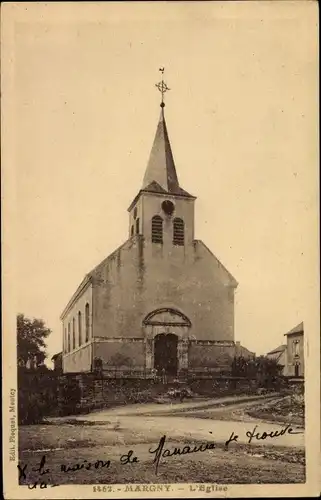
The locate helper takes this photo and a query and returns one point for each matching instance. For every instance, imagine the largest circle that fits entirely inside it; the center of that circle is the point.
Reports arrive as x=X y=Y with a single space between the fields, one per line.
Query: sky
x=241 y=116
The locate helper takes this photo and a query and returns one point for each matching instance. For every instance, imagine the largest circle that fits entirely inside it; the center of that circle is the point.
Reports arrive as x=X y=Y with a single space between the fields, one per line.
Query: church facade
x=160 y=303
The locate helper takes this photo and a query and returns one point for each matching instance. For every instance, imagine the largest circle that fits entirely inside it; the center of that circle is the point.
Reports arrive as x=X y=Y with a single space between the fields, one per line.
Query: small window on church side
x=87 y=321
x=137 y=226
x=157 y=229
x=132 y=230
x=79 y=328
x=73 y=333
x=178 y=232
x=68 y=337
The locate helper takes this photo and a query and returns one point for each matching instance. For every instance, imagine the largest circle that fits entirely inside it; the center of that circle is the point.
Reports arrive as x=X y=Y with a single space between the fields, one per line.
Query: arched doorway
x=165 y=353
x=166 y=332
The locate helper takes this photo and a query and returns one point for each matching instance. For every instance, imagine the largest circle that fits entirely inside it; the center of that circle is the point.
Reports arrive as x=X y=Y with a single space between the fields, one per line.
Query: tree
x=37 y=386
x=265 y=370
x=268 y=371
x=31 y=335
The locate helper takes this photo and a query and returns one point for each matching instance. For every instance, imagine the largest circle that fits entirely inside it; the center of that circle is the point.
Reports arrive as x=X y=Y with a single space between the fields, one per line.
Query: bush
x=37 y=395
x=266 y=371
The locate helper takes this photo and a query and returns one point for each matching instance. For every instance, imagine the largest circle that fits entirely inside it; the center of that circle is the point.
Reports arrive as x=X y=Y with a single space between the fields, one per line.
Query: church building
x=162 y=302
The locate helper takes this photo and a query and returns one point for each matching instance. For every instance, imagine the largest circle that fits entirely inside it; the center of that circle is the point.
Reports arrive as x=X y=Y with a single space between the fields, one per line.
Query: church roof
x=296 y=329
x=154 y=187
x=160 y=175
x=200 y=243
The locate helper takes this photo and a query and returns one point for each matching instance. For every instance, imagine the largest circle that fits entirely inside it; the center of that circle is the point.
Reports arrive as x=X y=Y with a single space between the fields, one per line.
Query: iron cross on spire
x=162 y=87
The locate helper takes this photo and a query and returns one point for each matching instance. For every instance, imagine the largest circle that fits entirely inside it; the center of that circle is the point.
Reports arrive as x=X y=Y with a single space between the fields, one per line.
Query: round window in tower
x=168 y=207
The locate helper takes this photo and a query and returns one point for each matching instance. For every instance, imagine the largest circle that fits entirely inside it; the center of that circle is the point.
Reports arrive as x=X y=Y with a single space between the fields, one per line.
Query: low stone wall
x=85 y=392
x=218 y=386
x=296 y=385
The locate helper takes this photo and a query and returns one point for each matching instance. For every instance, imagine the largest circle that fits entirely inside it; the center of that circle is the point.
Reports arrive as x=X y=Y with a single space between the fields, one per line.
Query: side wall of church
x=78 y=361
x=78 y=358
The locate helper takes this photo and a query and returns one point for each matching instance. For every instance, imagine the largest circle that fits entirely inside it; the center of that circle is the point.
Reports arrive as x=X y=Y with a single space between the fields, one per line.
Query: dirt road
x=110 y=434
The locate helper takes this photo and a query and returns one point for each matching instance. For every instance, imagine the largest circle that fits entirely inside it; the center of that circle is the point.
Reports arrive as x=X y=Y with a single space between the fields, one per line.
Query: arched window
x=87 y=321
x=132 y=230
x=73 y=333
x=157 y=229
x=178 y=232
x=79 y=328
x=137 y=226
x=68 y=337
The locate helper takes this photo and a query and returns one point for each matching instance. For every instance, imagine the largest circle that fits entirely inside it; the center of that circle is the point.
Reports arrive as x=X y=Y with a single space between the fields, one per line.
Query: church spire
x=161 y=167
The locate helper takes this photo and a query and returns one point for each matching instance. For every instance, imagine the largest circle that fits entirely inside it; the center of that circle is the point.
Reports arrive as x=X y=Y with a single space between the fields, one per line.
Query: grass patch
x=288 y=409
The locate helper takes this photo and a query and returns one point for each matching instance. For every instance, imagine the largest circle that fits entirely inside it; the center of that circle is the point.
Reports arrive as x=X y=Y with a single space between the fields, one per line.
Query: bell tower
x=162 y=211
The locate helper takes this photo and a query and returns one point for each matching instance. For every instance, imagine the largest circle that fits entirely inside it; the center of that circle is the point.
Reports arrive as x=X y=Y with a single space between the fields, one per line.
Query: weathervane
x=162 y=87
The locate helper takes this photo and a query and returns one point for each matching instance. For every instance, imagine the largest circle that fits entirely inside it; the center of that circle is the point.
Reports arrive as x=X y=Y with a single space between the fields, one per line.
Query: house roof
x=245 y=350
x=55 y=356
x=297 y=329
x=281 y=348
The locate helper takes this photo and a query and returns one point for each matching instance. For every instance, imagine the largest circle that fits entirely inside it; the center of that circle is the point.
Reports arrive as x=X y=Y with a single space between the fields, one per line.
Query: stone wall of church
x=121 y=354
x=210 y=356
x=191 y=280
x=78 y=361
x=141 y=277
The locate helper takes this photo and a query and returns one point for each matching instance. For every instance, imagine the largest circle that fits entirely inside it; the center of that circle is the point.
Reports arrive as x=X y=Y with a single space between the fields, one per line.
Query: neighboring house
x=57 y=362
x=295 y=352
x=243 y=352
x=32 y=363
x=291 y=354
x=279 y=354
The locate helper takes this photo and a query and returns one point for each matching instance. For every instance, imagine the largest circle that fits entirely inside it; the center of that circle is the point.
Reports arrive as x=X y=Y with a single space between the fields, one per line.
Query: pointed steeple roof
x=160 y=175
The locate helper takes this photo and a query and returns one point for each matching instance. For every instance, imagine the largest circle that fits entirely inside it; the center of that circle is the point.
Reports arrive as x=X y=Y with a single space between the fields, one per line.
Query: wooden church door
x=165 y=353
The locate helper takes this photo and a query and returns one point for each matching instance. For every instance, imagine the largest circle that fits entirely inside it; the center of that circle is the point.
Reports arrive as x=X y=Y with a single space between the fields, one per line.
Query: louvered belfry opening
x=157 y=229
x=178 y=232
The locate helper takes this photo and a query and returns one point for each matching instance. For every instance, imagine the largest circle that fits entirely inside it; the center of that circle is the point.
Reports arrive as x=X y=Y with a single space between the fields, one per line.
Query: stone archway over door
x=166 y=324
x=166 y=353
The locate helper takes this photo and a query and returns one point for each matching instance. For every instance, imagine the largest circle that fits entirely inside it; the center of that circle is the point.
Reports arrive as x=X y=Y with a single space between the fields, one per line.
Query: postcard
x=161 y=322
